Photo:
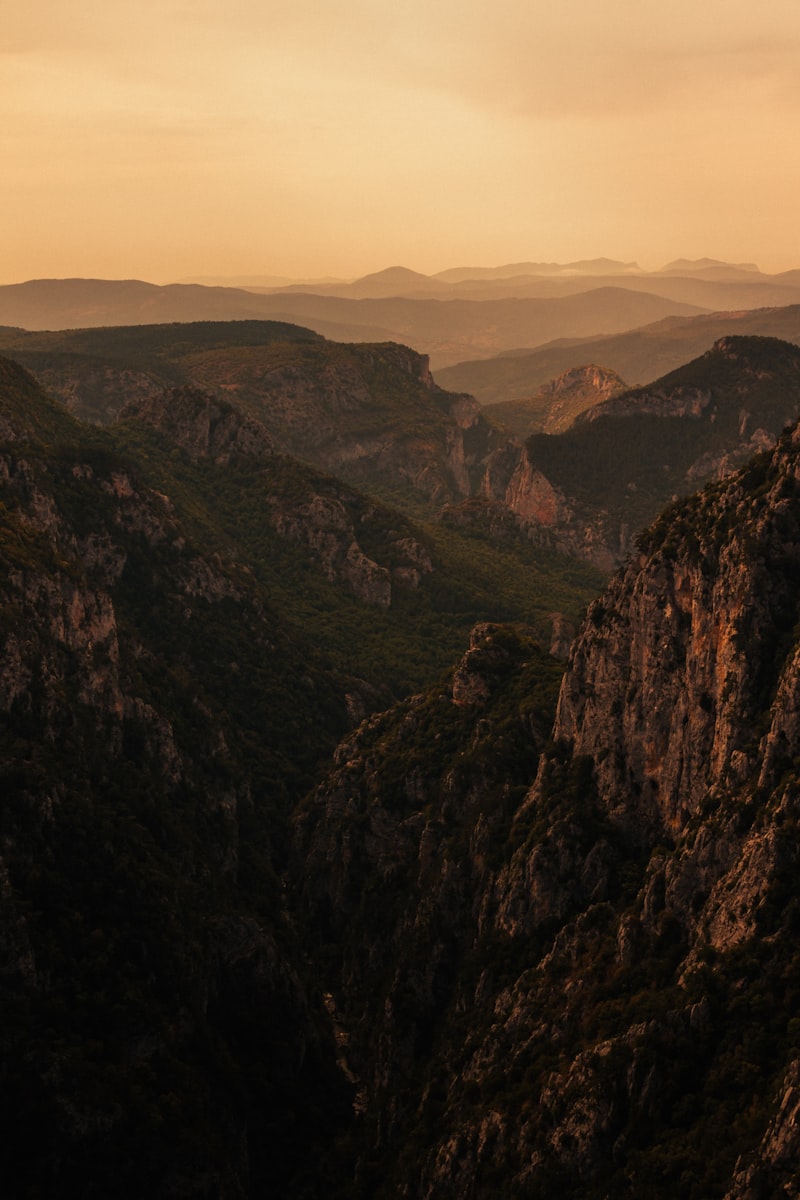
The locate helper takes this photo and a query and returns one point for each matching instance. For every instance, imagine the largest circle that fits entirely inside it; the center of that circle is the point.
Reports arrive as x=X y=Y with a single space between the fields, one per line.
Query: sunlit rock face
x=564 y=970
x=608 y=472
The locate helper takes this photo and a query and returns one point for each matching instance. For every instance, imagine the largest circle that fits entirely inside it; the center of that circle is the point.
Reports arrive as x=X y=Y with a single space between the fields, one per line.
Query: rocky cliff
x=372 y=413
x=590 y=489
x=317 y=512
x=556 y=404
x=576 y=391
x=190 y=620
x=143 y=930
x=590 y=983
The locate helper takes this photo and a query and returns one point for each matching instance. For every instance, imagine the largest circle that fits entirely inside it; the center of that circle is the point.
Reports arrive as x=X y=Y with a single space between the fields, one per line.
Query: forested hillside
x=316 y=875
x=569 y=966
x=190 y=621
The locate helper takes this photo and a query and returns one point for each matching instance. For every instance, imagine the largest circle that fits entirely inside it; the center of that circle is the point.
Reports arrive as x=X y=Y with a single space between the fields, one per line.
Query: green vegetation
x=159 y=718
x=176 y=674
x=426 y=628
x=639 y=355
x=184 y=873
x=77 y=363
x=630 y=466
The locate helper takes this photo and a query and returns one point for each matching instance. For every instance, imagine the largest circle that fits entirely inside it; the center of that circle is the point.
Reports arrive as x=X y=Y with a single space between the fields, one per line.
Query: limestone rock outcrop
x=590 y=982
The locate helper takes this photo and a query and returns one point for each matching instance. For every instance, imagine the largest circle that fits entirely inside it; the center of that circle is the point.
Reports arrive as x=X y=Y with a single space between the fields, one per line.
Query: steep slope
x=152 y=735
x=398 y=847
x=591 y=488
x=640 y=355
x=558 y=402
x=447 y=330
x=589 y=988
x=371 y=414
x=190 y=622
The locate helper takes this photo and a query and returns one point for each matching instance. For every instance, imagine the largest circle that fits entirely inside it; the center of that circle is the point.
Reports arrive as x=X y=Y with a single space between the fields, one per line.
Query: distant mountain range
x=448 y=331
x=457 y=316
x=705 y=283
x=638 y=355
x=402 y=276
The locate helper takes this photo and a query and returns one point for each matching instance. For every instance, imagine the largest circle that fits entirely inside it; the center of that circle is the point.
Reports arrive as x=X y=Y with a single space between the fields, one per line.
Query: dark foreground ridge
x=588 y=985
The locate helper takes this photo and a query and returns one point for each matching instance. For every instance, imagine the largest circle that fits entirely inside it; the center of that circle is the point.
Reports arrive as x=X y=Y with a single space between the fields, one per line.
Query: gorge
x=320 y=875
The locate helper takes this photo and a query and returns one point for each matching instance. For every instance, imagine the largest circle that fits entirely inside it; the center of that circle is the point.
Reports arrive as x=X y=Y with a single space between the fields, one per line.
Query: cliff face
x=692 y=637
x=143 y=931
x=547 y=514
x=398 y=848
x=679 y=705
x=608 y=1001
x=371 y=414
x=318 y=513
x=590 y=489
x=576 y=391
x=201 y=425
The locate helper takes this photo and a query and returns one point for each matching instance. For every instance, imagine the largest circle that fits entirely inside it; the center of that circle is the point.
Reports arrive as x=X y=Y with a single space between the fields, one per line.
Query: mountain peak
x=709 y=268
x=403 y=275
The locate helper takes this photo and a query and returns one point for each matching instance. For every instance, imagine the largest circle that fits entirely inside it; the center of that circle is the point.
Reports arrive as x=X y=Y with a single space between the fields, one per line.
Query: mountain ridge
x=595 y=485
x=639 y=356
x=433 y=326
x=576 y=976
x=527 y=933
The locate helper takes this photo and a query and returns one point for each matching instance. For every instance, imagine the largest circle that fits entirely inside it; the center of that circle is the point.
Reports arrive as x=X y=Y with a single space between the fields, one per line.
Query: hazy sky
x=166 y=138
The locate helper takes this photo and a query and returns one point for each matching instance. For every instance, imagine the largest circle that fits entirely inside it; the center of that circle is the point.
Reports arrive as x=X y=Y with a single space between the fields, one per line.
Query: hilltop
x=639 y=355
x=447 y=329
x=556 y=404
x=591 y=488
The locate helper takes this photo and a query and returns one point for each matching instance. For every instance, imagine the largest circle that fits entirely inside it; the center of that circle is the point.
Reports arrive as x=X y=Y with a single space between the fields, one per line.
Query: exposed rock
x=98 y=393
x=206 y=427
x=562 y=637
x=576 y=391
x=472 y=679
x=200 y=424
x=628 y=949
x=328 y=527
x=774 y=1170
x=588 y=491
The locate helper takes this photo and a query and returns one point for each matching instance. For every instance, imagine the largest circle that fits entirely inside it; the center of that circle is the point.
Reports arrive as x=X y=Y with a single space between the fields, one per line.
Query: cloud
x=371 y=122
x=581 y=57
x=607 y=59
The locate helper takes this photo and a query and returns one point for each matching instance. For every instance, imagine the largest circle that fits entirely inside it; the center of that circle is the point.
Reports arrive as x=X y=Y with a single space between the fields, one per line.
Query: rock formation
x=589 y=490
x=590 y=986
x=482 y=952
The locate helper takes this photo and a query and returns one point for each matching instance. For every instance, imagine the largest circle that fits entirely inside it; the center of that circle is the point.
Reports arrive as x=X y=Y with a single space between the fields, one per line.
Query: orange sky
x=166 y=138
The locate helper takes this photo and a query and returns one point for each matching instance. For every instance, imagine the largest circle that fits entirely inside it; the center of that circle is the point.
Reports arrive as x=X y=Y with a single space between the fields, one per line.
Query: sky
x=166 y=139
